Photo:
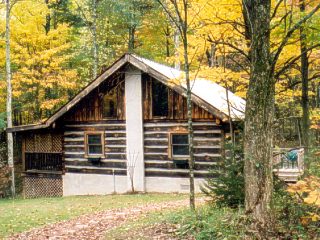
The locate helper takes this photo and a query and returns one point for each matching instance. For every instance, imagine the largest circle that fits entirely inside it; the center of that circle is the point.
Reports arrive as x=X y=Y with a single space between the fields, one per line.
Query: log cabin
x=127 y=130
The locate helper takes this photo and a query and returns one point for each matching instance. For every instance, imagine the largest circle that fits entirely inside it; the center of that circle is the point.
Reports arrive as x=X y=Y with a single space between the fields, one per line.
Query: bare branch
x=276 y=9
x=232 y=46
x=291 y=61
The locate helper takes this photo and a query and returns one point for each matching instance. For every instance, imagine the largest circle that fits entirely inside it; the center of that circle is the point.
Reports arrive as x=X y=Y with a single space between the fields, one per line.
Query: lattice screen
x=43 y=186
x=45 y=142
x=56 y=143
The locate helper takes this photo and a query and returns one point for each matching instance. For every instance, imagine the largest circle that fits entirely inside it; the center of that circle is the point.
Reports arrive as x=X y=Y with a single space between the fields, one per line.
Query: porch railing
x=288 y=163
x=285 y=158
x=43 y=161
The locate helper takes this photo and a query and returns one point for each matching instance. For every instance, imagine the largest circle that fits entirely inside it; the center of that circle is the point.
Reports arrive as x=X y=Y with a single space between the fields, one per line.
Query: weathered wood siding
x=115 y=148
x=90 y=108
x=207 y=141
x=177 y=105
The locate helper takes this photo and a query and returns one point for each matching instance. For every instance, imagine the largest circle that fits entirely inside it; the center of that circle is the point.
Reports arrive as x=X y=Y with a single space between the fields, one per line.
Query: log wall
x=158 y=162
x=115 y=148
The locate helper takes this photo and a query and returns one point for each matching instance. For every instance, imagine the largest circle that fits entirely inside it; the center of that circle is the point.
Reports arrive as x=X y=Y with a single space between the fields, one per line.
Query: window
x=159 y=99
x=94 y=144
x=179 y=145
x=110 y=104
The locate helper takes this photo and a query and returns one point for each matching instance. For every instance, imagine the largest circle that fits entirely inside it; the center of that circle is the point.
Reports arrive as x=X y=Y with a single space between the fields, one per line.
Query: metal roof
x=206 y=89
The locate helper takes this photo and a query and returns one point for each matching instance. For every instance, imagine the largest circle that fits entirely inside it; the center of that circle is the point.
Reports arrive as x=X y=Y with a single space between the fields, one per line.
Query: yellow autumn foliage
x=41 y=77
x=308 y=189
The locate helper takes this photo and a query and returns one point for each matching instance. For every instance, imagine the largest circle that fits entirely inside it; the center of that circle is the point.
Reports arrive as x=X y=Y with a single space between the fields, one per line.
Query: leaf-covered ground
x=86 y=213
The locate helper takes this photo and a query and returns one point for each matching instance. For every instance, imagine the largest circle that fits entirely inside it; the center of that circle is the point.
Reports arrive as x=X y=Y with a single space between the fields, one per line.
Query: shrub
x=209 y=222
x=296 y=211
x=226 y=182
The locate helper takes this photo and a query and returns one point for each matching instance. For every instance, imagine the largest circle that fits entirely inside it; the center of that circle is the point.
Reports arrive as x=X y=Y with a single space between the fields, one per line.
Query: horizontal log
x=73 y=148
x=116 y=139
x=212 y=163
x=207 y=135
x=156 y=139
x=176 y=123
x=115 y=150
x=210 y=142
x=73 y=143
x=104 y=164
x=206 y=151
x=86 y=159
x=72 y=139
x=155 y=135
x=156 y=151
x=156 y=146
x=73 y=133
x=171 y=165
x=119 y=142
x=173 y=174
x=115 y=135
x=95 y=128
x=197 y=158
x=73 y=155
x=156 y=143
x=96 y=171
x=116 y=156
x=172 y=128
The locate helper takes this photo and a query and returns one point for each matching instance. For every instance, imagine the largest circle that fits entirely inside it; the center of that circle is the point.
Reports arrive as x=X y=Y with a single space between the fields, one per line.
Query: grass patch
x=23 y=214
x=134 y=229
x=208 y=223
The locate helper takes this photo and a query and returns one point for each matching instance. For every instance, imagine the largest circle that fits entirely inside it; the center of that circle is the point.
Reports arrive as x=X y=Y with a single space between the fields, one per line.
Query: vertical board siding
x=114 y=160
x=90 y=108
x=177 y=109
x=158 y=162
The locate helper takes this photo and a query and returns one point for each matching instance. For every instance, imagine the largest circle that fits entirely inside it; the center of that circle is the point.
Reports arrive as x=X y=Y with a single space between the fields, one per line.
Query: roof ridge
x=153 y=61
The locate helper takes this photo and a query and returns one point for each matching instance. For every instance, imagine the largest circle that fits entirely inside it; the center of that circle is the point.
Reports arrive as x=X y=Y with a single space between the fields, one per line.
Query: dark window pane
x=95 y=149
x=159 y=99
x=94 y=139
x=180 y=150
x=110 y=104
x=180 y=139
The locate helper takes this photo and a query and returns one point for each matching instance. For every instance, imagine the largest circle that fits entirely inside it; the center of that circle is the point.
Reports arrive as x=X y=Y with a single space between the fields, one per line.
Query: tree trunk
x=95 y=42
x=47 y=25
x=304 y=80
x=9 y=99
x=189 y=110
x=211 y=54
x=259 y=115
x=132 y=31
x=167 y=34
x=176 y=49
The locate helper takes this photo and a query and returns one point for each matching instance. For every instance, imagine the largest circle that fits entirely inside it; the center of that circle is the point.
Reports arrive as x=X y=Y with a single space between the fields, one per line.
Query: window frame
x=177 y=157
x=115 y=89
x=86 y=144
x=151 y=100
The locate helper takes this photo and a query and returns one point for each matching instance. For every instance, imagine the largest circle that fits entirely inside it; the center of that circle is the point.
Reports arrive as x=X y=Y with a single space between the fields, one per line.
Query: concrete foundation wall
x=93 y=184
x=170 y=185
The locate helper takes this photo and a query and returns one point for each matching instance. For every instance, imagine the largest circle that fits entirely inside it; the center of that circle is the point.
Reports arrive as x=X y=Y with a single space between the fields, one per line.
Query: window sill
x=94 y=156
